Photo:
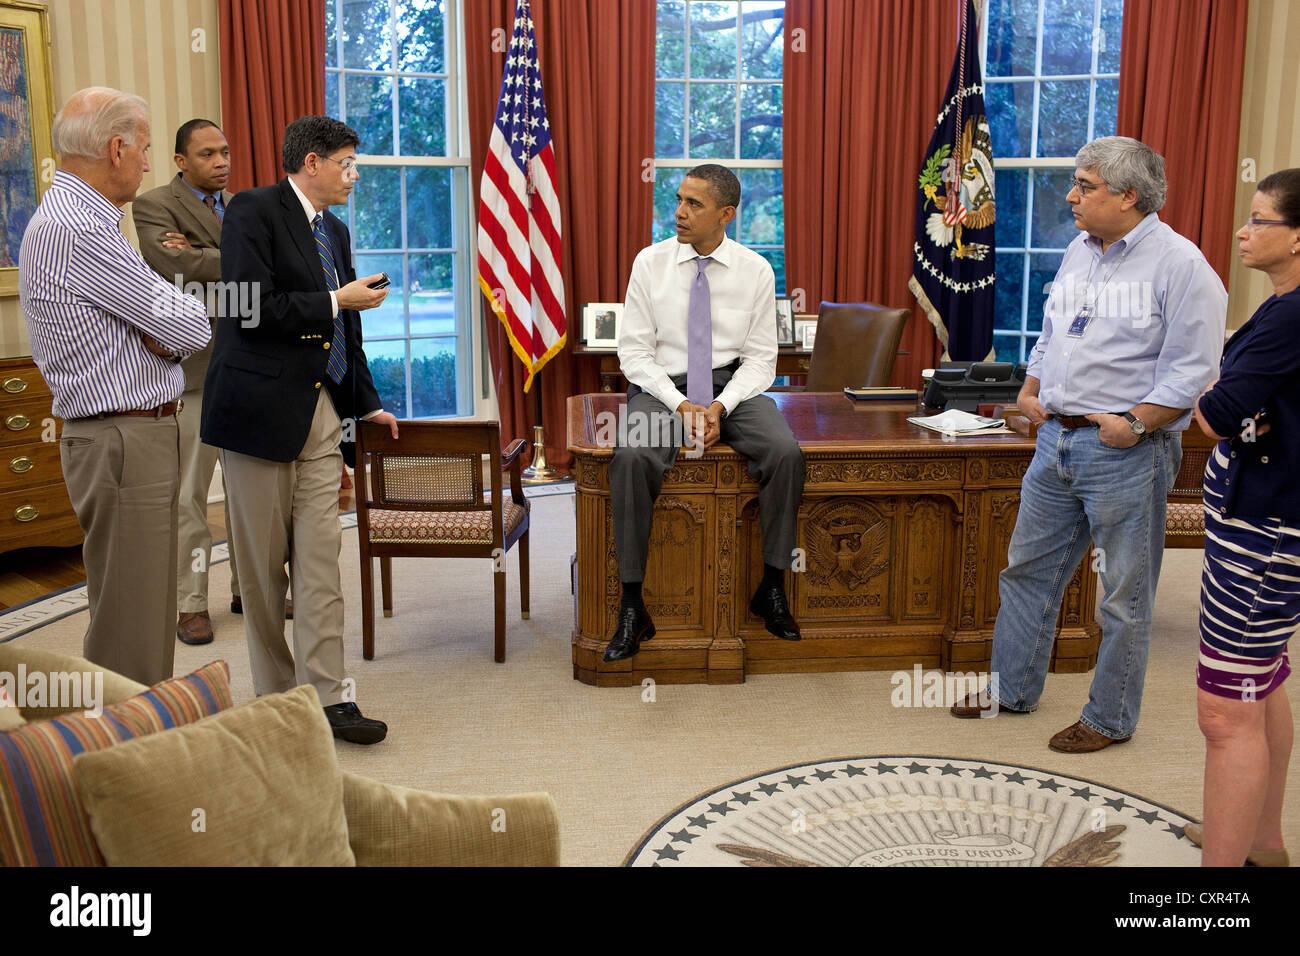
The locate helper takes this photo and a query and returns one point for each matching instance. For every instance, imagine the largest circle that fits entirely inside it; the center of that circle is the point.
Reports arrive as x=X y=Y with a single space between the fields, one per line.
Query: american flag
x=519 y=211
x=954 y=210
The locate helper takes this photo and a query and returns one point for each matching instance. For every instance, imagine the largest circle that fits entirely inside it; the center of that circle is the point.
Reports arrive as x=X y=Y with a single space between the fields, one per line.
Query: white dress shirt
x=742 y=299
x=311 y=212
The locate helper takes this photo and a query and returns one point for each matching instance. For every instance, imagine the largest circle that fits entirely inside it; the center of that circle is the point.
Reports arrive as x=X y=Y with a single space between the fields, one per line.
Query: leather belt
x=1074 y=421
x=162 y=411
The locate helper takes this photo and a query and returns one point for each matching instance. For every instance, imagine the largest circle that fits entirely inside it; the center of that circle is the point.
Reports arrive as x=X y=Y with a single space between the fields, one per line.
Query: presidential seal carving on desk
x=847 y=543
x=916 y=811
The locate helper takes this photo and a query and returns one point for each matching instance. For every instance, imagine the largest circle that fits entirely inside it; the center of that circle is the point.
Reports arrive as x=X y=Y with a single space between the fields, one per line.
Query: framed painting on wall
x=26 y=111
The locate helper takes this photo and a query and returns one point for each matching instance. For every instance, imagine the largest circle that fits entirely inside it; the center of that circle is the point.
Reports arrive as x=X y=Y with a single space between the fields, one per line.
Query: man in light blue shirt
x=1132 y=334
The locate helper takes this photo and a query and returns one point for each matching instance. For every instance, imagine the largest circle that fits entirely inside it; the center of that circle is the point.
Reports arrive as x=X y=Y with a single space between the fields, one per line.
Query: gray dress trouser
x=755 y=428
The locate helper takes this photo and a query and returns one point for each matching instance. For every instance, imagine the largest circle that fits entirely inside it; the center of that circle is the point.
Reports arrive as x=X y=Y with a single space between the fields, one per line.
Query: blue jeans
x=1075 y=491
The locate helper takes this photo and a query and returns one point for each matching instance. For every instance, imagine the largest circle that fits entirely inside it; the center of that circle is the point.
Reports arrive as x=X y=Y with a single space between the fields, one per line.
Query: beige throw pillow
x=257 y=785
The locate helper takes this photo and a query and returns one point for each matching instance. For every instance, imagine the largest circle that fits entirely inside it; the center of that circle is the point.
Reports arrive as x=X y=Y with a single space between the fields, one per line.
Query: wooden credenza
x=34 y=505
x=903 y=535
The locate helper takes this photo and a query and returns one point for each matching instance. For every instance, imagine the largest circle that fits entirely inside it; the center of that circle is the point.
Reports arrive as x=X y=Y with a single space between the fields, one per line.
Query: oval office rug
x=916 y=811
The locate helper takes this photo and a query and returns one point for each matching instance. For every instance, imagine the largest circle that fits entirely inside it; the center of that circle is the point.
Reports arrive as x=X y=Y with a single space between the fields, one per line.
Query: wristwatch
x=1137 y=425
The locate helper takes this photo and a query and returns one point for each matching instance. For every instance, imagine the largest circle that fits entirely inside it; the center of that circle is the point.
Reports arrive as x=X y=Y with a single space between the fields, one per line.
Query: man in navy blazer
x=287 y=380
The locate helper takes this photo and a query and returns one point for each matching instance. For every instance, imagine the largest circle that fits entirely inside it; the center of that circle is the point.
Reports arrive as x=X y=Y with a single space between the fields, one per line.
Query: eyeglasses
x=1254 y=224
x=1082 y=186
x=349 y=165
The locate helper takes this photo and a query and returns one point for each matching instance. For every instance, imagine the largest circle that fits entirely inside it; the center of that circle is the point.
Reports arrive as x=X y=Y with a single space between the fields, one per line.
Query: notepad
x=886 y=392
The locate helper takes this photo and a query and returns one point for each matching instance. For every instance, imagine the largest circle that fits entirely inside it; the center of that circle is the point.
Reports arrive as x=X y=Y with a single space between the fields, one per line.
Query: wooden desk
x=904 y=533
x=789 y=361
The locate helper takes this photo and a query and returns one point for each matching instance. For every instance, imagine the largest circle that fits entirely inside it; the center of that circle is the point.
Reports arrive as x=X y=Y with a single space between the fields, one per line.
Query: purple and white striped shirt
x=89 y=298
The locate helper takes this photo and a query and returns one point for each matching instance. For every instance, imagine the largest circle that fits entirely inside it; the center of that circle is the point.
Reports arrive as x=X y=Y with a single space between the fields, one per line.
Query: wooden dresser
x=34 y=506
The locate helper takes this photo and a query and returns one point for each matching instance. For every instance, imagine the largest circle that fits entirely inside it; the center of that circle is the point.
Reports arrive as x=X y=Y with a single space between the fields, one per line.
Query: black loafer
x=634 y=626
x=348 y=724
x=771 y=605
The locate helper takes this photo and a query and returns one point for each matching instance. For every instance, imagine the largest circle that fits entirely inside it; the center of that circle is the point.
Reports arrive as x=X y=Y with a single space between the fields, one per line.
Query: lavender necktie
x=699 y=340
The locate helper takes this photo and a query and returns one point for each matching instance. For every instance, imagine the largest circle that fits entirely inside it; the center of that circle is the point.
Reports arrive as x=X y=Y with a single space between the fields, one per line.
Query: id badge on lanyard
x=1080 y=322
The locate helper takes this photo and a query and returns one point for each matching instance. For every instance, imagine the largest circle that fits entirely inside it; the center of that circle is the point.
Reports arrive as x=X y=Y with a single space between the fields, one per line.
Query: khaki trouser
x=288 y=511
x=198 y=461
x=123 y=475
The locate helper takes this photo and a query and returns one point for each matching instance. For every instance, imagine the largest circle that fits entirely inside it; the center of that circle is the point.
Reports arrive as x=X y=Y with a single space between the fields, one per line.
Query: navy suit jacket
x=266 y=373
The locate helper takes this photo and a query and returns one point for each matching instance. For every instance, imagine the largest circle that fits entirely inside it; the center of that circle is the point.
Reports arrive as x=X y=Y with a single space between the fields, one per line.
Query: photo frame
x=805 y=331
x=784 y=320
x=26 y=112
x=600 y=324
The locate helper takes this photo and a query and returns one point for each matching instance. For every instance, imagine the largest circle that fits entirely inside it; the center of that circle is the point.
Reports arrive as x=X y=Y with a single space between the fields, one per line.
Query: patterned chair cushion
x=441 y=527
x=42 y=821
x=1182 y=519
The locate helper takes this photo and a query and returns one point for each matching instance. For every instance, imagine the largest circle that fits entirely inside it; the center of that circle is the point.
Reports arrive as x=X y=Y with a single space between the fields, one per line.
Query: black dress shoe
x=771 y=605
x=348 y=724
x=634 y=626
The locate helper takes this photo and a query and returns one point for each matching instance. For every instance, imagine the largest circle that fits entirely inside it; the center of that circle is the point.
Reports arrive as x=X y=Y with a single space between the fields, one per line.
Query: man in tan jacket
x=179 y=226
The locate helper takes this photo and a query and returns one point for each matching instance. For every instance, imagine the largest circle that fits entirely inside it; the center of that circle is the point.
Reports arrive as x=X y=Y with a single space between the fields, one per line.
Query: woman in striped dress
x=1250 y=585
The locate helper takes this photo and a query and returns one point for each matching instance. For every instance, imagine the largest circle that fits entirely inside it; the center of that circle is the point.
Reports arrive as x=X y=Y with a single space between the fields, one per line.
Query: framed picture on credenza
x=784 y=320
x=600 y=325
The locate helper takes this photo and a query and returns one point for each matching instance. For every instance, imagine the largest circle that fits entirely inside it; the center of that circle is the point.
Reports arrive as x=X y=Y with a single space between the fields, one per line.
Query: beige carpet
x=460 y=723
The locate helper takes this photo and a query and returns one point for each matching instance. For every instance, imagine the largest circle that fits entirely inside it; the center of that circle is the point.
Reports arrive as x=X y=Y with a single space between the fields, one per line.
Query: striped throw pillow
x=42 y=822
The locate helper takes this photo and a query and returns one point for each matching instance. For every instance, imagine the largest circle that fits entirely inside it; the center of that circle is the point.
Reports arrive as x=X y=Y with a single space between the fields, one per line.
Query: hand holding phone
x=382 y=282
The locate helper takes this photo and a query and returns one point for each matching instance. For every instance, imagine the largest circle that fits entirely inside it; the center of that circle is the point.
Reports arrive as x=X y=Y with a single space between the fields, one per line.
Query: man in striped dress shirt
x=108 y=334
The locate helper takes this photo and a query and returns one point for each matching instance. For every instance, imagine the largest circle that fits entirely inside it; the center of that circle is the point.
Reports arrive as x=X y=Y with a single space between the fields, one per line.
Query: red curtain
x=1180 y=83
x=863 y=81
x=598 y=67
x=272 y=72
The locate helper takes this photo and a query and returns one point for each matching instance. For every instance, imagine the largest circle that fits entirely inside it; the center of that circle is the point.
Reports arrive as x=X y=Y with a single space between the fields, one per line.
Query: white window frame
x=472 y=374
x=733 y=162
x=1031 y=163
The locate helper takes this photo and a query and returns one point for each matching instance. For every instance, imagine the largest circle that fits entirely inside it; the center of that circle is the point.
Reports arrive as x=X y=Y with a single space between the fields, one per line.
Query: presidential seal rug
x=917 y=811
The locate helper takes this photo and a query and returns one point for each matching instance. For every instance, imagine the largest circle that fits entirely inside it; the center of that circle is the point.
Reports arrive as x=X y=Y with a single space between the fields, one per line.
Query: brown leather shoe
x=1254 y=858
x=1079 y=738
x=194 y=628
x=237 y=607
x=970 y=706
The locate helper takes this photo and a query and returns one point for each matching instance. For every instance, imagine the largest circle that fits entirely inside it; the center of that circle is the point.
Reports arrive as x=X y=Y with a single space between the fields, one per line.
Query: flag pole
x=540 y=470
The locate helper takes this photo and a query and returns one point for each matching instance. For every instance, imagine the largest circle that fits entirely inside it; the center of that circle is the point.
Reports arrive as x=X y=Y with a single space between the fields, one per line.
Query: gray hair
x=92 y=117
x=1124 y=163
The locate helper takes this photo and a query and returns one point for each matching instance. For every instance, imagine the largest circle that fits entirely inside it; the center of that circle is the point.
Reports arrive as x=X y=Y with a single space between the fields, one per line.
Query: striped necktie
x=338 y=363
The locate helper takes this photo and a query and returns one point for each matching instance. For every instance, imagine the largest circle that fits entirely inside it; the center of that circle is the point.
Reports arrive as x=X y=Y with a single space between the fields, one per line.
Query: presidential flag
x=519 y=212
x=952 y=268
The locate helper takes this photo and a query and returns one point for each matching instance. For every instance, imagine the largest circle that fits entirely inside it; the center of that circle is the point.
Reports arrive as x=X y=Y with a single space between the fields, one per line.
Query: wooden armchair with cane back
x=1185 y=509
x=421 y=495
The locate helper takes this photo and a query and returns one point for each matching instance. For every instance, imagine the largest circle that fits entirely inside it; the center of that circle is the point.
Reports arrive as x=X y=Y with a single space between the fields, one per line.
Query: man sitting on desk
x=700 y=315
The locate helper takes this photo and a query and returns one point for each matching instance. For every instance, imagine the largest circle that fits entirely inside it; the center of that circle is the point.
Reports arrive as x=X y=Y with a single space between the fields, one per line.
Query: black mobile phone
x=382 y=282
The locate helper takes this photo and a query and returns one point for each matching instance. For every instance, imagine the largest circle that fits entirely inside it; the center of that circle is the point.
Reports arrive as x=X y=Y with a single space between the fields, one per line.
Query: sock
x=772 y=577
x=632 y=594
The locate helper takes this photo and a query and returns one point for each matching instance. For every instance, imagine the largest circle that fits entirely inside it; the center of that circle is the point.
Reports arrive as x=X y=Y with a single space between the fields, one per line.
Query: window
x=391 y=75
x=1051 y=84
x=718 y=98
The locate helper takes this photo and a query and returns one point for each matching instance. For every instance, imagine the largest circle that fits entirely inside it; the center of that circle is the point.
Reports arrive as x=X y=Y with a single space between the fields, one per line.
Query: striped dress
x=1250 y=595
